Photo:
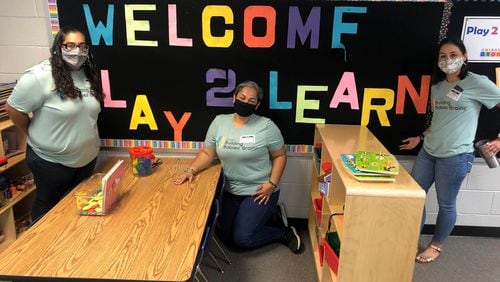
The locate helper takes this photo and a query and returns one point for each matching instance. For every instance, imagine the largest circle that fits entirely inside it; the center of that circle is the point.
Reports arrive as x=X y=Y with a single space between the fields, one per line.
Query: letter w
x=96 y=32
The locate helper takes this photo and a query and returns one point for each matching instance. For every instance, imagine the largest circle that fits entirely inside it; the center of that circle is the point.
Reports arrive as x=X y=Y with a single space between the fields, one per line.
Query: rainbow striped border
x=54 y=17
x=186 y=145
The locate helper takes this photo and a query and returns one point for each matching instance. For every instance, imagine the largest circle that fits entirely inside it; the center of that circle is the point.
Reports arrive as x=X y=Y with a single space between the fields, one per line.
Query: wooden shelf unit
x=378 y=223
x=20 y=204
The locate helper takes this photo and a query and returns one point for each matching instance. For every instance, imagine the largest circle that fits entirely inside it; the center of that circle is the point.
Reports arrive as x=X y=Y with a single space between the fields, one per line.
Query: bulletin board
x=169 y=67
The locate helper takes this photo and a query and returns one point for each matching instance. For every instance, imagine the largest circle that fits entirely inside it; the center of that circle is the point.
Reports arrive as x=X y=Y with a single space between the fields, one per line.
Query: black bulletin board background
x=393 y=38
x=489 y=120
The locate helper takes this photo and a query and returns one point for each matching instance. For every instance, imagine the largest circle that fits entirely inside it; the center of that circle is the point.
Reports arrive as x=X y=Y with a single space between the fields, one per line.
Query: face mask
x=243 y=109
x=451 y=66
x=74 y=58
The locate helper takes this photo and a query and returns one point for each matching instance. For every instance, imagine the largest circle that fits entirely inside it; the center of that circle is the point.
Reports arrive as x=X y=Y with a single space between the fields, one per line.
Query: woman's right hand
x=410 y=143
x=183 y=177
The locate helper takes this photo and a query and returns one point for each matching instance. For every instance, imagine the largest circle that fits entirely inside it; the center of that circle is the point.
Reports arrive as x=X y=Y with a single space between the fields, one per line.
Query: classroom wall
x=25 y=39
x=24 y=36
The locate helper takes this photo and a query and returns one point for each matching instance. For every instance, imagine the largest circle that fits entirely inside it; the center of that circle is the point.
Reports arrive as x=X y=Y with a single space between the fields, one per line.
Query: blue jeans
x=448 y=174
x=52 y=181
x=243 y=221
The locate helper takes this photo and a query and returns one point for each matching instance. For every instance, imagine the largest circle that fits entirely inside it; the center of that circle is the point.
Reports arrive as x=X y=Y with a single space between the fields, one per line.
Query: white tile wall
x=16 y=59
x=25 y=39
x=18 y=31
x=25 y=36
x=495 y=205
x=484 y=178
x=478 y=202
x=18 y=8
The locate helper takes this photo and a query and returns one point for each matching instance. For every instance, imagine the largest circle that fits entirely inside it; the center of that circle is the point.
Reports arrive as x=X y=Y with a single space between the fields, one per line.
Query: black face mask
x=243 y=109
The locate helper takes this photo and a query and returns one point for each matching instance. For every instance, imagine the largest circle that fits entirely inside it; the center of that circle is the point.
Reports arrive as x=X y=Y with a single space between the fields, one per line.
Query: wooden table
x=152 y=234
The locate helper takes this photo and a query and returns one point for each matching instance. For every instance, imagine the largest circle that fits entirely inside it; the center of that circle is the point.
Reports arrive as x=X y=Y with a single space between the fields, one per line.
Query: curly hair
x=62 y=76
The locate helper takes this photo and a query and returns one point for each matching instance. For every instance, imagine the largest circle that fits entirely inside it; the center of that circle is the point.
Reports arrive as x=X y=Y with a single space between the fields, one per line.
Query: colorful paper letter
x=209 y=12
x=142 y=106
x=420 y=101
x=303 y=104
x=377 y=93
x=135 y=25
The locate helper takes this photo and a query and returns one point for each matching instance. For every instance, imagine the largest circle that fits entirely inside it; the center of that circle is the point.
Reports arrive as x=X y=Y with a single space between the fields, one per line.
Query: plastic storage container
x=98 y=194
x=89 y=196
x=142 y=160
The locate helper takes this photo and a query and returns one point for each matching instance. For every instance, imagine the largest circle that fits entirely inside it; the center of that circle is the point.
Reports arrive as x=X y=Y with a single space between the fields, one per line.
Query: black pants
x=53 y=181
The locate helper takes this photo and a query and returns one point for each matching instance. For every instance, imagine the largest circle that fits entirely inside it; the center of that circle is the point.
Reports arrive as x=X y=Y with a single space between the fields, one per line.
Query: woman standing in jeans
x=64 y=96
x=252 y=153
x=447 y=153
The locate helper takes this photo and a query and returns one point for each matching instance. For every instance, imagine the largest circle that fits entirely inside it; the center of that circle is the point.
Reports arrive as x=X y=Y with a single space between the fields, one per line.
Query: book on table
x=111 y=184
x=376 y=162
x=361 y=173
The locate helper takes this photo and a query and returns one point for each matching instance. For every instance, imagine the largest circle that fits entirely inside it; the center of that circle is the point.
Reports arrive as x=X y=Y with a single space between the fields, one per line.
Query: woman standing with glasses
x=56 y=103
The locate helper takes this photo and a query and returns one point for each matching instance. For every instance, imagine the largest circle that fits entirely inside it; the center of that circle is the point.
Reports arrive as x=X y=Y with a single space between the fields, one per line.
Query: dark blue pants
x=243 y=221
x=53 y=181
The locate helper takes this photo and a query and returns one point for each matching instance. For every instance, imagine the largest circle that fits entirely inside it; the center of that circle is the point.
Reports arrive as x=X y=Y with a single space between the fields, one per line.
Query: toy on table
x=142 y=160
x=98 y=194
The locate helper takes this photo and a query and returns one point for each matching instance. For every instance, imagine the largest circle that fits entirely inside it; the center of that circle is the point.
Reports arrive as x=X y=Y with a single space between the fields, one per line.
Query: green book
x=349 y=161
x=377 y=162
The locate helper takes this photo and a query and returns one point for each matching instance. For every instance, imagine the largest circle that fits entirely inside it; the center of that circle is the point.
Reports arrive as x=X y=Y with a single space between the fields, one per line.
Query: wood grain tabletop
x=152 y=234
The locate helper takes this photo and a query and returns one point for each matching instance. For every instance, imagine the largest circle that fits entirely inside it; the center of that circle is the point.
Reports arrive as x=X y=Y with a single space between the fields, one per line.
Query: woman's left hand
x=494 y=146
x=263 y=193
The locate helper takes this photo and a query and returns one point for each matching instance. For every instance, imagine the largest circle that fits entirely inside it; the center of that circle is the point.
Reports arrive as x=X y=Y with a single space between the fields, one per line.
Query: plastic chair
x=219 y=193
x=199 y=257
x=207 y=236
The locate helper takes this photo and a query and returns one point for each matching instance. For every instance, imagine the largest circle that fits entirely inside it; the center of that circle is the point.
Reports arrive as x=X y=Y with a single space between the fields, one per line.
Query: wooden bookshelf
x=367 y=216
x=20 y=203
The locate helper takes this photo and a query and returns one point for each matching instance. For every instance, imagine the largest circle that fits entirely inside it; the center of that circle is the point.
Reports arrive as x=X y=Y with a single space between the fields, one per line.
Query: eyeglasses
x=73 y=46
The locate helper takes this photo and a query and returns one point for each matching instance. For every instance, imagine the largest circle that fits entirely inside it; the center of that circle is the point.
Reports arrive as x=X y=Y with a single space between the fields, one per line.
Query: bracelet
x=190 y=169
x=273 y=184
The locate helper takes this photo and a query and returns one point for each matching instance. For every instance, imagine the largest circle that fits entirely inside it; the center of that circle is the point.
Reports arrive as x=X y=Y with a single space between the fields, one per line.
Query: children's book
x=349 y=161
x=111 y=183
x=376 y=162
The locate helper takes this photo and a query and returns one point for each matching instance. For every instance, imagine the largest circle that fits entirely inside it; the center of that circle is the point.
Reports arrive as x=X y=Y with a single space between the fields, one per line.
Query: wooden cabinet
x=19 y=206
x=378 y=223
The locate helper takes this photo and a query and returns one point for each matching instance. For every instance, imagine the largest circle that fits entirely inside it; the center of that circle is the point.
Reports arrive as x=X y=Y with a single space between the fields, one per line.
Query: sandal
x=427 y=259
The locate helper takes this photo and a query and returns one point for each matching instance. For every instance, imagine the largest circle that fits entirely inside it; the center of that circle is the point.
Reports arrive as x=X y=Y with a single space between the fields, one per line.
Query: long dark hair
x=439 y=75
x=62 y=76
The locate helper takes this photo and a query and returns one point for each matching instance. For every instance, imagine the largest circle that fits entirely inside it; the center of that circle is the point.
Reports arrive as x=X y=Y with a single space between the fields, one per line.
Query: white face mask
x=74 y=58
x=451 y=66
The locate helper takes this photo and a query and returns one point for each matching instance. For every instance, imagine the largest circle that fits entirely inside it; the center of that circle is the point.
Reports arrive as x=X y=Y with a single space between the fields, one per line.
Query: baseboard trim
x=479 y=231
